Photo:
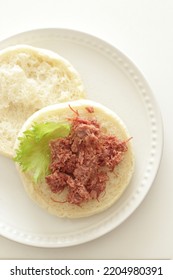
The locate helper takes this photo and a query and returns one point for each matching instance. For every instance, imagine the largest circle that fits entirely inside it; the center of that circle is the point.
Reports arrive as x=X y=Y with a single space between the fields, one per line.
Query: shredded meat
x=81 y=161
x=90 y=109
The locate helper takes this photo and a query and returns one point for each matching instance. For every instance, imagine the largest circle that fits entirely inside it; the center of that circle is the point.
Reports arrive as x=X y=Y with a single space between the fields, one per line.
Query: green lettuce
x=33 y=153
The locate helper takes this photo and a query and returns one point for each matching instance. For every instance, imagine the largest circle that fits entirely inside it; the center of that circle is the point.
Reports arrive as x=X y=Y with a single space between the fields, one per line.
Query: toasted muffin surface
x=30 y=79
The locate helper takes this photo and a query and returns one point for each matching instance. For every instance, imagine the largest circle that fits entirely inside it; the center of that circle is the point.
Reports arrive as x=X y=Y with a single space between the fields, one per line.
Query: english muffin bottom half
x=113 y=179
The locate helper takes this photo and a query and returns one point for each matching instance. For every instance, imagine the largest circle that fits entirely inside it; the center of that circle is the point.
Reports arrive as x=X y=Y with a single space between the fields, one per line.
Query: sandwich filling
x=81 y=161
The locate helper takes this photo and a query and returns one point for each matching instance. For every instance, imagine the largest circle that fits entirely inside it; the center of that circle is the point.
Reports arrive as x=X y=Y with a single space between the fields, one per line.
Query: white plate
x=113 y=80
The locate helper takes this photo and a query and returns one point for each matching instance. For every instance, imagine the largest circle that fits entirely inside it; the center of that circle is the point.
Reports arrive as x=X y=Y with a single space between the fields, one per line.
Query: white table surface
x=142 y=29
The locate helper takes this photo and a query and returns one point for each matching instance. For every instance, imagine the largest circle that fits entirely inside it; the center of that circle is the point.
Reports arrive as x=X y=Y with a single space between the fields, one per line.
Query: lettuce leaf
x=33 y=153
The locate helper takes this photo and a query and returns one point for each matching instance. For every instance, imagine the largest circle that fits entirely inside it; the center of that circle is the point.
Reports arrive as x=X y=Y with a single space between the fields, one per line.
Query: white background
x=143 y=30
